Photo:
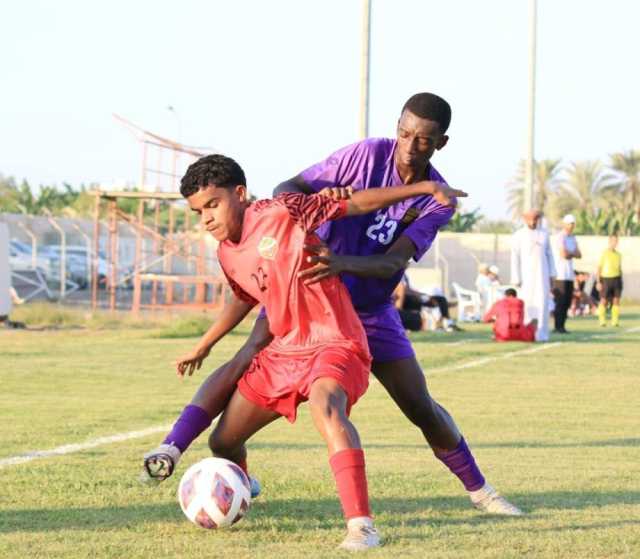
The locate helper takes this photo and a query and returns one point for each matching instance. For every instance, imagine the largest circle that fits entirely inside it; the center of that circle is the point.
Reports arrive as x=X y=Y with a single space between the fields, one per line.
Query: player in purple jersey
x=370 y=253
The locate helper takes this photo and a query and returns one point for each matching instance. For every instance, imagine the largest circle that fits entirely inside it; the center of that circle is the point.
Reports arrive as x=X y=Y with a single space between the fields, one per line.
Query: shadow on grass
x=507 y=444
x=304 y=514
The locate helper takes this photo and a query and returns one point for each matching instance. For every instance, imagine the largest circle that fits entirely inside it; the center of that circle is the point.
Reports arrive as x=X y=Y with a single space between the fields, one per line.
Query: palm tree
x=588 y=186
x=546 y=177
x=627 y=166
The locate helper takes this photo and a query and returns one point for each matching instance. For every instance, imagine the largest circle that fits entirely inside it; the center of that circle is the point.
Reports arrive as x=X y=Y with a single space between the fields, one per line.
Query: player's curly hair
x=216 y=169
x=431 y=107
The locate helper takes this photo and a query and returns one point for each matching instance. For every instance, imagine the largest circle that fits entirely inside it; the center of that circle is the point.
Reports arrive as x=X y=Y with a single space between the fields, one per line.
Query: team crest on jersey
x=410 y=215
x=267 y=248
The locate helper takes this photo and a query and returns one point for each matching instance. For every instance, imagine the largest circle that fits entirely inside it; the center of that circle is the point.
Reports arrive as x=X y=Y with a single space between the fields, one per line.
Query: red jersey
x=509 y=324
x=263 y=266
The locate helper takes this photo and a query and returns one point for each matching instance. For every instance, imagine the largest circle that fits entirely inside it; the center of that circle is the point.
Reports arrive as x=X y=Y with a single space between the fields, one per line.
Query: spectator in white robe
x=533 y=271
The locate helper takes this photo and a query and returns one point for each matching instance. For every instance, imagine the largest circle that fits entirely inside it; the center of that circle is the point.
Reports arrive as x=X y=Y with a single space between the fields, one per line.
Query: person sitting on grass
x=507 y=316
x=412 y=305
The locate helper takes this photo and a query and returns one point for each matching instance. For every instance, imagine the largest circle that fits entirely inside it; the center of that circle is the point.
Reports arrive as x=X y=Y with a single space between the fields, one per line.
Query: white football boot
x=488 y=500
x=160 y=463
x=361 y=534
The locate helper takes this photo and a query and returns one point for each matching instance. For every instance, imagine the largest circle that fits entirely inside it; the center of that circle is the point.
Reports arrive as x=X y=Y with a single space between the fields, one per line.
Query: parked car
x=78 y=266
x=20 y=259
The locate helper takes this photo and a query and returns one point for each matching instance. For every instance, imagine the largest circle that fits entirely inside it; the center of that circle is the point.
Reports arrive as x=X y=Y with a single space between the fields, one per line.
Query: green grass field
x=556 y=430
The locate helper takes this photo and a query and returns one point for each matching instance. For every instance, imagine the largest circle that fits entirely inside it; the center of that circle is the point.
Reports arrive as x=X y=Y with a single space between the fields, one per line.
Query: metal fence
x=54 y=258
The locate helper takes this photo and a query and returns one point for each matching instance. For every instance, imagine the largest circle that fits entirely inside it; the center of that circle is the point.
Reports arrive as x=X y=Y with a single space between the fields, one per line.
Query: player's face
x=569 y=227
x=418 y=139
x=613 y=242
x=221 y=210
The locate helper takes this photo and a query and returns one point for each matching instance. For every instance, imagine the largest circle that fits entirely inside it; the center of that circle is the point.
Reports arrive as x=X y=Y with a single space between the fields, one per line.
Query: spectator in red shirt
x=507 y=314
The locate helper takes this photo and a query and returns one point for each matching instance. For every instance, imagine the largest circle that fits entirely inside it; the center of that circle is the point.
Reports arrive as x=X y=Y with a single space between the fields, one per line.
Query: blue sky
x=276 y=84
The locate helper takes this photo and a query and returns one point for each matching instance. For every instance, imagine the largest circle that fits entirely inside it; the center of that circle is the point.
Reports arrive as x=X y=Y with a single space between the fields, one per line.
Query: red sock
x=243 y=465
x=351 y=480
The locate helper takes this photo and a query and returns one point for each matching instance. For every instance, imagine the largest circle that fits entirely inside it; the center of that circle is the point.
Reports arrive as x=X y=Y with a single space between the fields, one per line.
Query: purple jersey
x=369 y=164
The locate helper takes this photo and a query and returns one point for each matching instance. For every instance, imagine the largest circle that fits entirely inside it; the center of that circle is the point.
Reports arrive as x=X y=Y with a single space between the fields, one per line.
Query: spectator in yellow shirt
x=610 y=283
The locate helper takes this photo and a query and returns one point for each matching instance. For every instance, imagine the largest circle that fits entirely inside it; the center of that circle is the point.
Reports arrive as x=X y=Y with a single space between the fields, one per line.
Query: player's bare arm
x=440 y=191
x=230 y=317
x=373 y=199
x=326 y=263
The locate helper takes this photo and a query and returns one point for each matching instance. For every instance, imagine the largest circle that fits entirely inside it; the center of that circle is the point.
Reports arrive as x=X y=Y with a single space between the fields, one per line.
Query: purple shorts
x=386 y=336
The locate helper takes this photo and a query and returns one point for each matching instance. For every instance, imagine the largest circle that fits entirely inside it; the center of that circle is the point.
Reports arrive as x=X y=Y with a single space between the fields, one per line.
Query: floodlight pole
x=529 y=192
x=364 y=69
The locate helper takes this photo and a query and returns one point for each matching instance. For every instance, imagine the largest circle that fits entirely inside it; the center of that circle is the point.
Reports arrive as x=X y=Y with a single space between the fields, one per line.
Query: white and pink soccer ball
x=214 y=493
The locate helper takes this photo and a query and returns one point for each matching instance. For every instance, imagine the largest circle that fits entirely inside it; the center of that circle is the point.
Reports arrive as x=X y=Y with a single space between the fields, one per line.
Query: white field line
x=534 y=349
x=460 y=342
x=119 y=437
x=490 y=359
x=78 y=447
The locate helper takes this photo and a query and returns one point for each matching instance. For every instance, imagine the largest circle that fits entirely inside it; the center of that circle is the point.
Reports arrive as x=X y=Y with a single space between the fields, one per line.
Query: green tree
x=463 y=222
x=627 y=167
x=607 y=222
x=546 y=180
x=496 y=226
x=586 y=187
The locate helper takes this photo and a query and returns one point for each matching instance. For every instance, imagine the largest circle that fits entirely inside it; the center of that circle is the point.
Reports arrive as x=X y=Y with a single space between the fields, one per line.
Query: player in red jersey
x=319 y=351
x=508 y=317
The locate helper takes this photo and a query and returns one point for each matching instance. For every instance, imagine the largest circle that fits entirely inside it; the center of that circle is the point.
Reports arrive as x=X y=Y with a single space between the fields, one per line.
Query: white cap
x=568 y=219
x=494 y=269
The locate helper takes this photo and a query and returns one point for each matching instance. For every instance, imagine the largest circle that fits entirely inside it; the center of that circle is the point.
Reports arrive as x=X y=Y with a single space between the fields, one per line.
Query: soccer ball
x=214 y=493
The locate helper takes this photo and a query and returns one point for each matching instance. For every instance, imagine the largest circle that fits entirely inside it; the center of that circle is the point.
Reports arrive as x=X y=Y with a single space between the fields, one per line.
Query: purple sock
x=192 y=421
x=461 y=463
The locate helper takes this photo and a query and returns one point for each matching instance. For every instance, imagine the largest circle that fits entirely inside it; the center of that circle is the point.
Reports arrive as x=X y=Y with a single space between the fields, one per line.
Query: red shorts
x=523 y=334
x=279 y=378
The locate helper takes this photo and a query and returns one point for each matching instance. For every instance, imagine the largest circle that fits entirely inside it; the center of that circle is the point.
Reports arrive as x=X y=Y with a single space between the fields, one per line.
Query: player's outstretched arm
x=230 y=317
x=373 y=199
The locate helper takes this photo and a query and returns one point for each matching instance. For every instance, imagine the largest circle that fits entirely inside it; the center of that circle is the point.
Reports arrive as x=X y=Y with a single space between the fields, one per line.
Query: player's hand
x=324 y=264
x=337 y=193
x=444 y=194
x=191 y=362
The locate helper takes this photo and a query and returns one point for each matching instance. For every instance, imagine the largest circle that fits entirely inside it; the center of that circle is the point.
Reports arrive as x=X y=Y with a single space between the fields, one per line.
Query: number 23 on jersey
x=382 y=229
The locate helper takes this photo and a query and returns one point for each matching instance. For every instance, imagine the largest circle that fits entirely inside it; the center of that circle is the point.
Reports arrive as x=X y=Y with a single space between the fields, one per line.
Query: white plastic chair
x=469 y=304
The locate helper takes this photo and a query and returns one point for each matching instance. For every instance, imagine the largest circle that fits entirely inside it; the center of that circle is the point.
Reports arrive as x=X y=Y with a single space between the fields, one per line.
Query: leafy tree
x=627 y=167
x=495 y=226
x=463 y=222
x=607 y=222
x=586 y=186
x=546 y=180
